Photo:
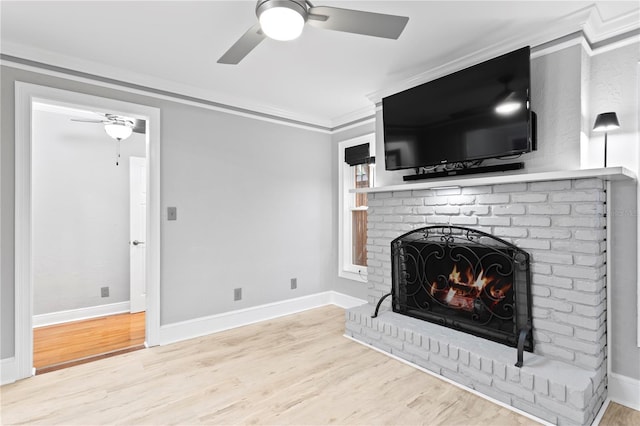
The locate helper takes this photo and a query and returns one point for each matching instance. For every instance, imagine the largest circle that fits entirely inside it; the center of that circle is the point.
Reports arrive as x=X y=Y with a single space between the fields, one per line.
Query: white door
x=137 y=232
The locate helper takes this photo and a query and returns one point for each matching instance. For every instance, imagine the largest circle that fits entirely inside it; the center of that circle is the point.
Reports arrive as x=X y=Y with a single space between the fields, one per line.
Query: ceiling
x=325 y=78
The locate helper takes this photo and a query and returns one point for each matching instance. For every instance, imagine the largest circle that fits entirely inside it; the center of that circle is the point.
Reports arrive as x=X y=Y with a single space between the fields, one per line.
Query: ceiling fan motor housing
x=299 y=6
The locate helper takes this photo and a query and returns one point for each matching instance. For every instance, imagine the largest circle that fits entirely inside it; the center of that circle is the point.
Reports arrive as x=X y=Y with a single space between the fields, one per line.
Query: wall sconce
x=604 y=123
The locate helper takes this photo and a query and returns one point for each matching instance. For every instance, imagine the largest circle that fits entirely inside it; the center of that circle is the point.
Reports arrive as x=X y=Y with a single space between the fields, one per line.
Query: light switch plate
x=172 y=213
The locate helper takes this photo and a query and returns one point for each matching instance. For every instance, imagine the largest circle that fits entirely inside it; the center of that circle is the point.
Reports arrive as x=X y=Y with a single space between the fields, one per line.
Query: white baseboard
x=212 y=324
x=80 y=314
x=345 y=301
x=624 y=390
x=8 y=372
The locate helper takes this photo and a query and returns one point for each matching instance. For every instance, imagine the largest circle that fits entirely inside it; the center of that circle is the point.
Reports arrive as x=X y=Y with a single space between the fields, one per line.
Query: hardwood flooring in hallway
x=62 y=345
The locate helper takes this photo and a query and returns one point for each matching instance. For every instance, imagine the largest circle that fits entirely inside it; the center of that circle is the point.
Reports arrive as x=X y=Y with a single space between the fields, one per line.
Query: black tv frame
x=531 y=140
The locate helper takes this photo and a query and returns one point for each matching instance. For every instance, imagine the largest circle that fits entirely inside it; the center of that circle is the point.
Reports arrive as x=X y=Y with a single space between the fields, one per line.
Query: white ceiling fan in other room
x=285 y=19
x=118 y=127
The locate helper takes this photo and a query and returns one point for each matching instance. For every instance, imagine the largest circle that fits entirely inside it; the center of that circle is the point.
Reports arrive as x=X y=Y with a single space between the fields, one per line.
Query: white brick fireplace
x=560 y=220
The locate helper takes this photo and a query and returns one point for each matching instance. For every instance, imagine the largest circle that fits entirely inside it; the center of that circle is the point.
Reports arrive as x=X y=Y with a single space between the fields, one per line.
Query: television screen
x=477 y=113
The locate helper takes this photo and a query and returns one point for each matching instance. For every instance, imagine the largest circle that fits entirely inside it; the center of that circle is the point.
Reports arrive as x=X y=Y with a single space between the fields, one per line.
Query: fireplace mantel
x=609 y=174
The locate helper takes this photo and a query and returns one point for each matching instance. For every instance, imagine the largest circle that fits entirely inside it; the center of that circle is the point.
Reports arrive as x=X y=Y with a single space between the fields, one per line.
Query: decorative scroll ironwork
x=464 y=279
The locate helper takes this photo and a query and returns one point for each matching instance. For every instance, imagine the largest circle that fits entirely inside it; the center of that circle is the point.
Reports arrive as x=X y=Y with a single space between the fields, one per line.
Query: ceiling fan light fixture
x=509 y=104
x=118 y=130
x=507 y=108
x=282 y=19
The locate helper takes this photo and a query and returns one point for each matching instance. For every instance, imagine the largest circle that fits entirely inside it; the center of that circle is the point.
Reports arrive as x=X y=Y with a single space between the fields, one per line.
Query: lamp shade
x=119 y=131
x=606 y=121
x=281 y=19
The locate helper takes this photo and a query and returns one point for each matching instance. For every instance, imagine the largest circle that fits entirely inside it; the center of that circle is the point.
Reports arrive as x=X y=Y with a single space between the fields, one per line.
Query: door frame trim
x=25 y=95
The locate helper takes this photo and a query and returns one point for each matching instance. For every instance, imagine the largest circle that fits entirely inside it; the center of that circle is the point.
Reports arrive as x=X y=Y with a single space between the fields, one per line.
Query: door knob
x=136 y=242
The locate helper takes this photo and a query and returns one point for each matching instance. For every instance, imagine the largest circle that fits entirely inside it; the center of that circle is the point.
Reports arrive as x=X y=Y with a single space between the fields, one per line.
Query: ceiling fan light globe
x=118 y=131
x=509 y=107
x=281 y=23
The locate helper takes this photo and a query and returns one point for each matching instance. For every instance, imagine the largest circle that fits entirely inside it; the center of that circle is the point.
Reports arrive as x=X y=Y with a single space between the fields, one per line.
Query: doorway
x=28 y=96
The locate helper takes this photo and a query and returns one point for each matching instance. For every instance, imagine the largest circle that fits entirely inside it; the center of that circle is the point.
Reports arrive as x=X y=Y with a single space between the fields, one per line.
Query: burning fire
x=450 y=295
x=480 y=282
x=464 y=288
x=454 y=276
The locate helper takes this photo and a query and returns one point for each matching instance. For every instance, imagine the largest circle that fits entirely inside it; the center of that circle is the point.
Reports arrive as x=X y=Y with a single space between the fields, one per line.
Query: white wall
x=80 y=213
x=615 y=86
x=556 y=99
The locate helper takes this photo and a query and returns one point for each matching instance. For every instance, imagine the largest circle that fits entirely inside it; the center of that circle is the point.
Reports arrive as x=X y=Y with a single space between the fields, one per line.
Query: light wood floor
x=619 y=415
x=61 y=345
x=293 y=370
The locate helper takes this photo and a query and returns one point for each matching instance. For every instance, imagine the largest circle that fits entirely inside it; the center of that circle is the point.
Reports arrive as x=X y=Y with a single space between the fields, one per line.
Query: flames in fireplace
x=464 y=290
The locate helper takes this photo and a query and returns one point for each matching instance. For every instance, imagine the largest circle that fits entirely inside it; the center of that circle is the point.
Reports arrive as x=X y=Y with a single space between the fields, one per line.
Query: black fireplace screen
x=464 y=279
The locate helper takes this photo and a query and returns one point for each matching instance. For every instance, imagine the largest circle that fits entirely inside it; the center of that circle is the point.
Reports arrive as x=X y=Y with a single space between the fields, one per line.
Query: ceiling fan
x=284 y=20
x=118 y=127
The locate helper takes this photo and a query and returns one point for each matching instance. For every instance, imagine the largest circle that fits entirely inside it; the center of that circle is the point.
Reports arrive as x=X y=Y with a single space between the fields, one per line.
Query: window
x=356 y=170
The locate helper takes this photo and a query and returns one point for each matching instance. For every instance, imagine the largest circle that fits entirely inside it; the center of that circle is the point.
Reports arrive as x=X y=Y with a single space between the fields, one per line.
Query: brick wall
x=561 y=224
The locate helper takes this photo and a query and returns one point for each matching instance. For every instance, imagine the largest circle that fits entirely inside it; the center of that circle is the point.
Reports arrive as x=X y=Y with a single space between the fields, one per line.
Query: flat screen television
x=462 y=117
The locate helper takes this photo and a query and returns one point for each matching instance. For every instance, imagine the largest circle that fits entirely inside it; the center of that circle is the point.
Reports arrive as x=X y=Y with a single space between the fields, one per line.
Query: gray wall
x=80 y=213
x=255 y=207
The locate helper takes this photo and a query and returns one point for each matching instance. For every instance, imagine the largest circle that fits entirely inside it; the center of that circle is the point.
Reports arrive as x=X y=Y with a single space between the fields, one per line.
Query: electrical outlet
x=294 y=283
x=104 y=291
x=237 y=294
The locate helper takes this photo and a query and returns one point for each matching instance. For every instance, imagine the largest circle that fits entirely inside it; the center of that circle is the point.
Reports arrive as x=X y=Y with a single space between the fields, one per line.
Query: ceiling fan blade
x=357 y=22
x=88 y=120
x=243 y=46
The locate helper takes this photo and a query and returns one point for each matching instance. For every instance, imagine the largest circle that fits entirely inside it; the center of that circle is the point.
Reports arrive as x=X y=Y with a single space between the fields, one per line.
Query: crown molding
x=348 y=126
x=597 y=29
x=353 y=118
x=570 y=40
x=95 y=71
x=561 y=33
